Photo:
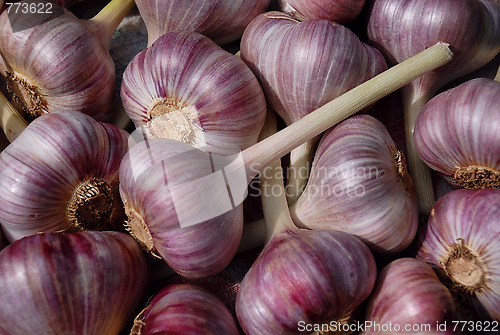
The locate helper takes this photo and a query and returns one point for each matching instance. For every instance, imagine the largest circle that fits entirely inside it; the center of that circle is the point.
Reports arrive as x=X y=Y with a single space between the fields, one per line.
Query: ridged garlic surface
x=359 y=184
x=57 y=65
x=162 y=182
x=61 y=174
x=221 y=20
x=340 y=11
x=187 y=88
x=85 y=283
x=462 y=242
x=185 y=309
x=458 y=134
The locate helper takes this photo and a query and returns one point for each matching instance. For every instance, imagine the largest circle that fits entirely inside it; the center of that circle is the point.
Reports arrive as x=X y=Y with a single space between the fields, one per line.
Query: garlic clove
x=76 y=283
x=340 y=11
x=221 y=20
x=359 y=184
x=61 y=174
x=185 y=309
x=461 y=241
x=187 y=88
x=411 y=299
x=73 y=73
x=457 y=134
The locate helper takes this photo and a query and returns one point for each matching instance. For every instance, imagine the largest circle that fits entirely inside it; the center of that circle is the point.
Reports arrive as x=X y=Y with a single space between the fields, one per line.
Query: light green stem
x=12 y=122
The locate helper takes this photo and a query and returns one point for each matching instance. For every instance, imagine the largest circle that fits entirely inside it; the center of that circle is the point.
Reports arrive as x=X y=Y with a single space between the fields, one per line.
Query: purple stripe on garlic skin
x=187 y=88
x=221 y=20
x=400 y=29
x=359 y=184
x=303 y=65
x=185 y=309
x=42 y=169
x=462 y=242
x=310 y=276
x=458 y=134
x=193 y=251
x=73 y=73
x=408 y=293
x=340 y=11
x=84 y=283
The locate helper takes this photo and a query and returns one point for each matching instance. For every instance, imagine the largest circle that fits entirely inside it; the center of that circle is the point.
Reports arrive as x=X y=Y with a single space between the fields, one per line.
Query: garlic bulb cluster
x=187 y=88
x=411 y=299
x=340 y=11
x=302 y=66
x=73 y=73
x=461 y=241
x=61 y=174
x=457 y=134
x=185 y=309
x=76 y=283
x=184 y=204
x=221 y=20
x=359 y=184
x=400 y=29
x=301 y=276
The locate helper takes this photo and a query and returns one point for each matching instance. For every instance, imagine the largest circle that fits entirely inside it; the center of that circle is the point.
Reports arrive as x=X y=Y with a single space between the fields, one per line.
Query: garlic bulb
x=187 y=88
x=61 y=174
x=359 y=184
x=462 y=241
x=301 y=276
x=457 y=134
x=221 y=20
x=400 y=29
x=74 y=72
x=340 y=11
x=410 y=299
x=75 y=283
x=185 y=309
x=185 y=204
x=302 y=66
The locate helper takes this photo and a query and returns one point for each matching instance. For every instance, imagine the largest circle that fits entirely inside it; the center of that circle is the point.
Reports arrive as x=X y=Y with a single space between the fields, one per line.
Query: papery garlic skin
x=61 y=174
x=303 y=65
x=304 y=276
x=462 y=242
x=58 y=65
x=187 y=88
x=148 y=174
x=84 y=283
x=409 y=296
x=185 y=309
x=359 y=184
x=458 y=134
x=221 y=20
x=340 y=11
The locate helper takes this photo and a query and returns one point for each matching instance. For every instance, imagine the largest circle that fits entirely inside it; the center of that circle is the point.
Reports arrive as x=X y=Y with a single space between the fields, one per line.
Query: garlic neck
x=169 y=119
x=91 y=205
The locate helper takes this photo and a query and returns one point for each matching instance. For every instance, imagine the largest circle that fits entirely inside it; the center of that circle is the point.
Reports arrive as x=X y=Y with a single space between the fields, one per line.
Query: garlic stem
x=107 y=20
x=274 y=204
x=342 y=107
x=298 y=173
x=12 y=122
x=497 y=76
x=419 y=171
